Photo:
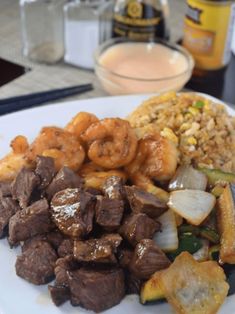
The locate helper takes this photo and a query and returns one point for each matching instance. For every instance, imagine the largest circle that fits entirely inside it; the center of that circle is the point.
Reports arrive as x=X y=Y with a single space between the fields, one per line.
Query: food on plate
x=80 y=123
x=204 y=293
x=192 y=205
x=226 y=223
x=15 y=160
x=107 y=209
x=111 y=142
x=62 y=146
x=199 y=126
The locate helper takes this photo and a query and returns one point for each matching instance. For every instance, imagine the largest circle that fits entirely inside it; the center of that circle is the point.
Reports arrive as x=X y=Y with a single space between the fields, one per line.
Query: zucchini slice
x=150 y=290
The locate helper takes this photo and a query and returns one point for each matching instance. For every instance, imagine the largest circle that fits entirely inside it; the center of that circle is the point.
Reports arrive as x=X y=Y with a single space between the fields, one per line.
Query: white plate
x=18 y=296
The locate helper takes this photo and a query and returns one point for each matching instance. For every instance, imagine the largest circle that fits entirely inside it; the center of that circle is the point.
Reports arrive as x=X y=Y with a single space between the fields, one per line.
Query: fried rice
x=203 y=130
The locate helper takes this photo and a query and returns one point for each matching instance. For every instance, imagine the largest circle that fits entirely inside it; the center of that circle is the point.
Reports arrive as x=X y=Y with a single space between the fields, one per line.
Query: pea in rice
x=202 y=129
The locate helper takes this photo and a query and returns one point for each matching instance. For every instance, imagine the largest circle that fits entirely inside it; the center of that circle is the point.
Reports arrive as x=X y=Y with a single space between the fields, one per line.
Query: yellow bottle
x=208 y=33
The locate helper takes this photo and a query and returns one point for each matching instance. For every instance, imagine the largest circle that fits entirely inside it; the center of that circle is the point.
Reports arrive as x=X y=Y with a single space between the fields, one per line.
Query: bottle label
x=206 y=32
x=138 y=21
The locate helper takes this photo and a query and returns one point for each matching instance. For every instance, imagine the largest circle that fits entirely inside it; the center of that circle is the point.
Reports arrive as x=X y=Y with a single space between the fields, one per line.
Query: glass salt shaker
x=42 y=29
x=82 y=31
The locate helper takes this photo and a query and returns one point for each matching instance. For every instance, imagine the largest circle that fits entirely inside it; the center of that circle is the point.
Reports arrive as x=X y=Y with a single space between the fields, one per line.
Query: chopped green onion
x=199 y=104
x=217 y=176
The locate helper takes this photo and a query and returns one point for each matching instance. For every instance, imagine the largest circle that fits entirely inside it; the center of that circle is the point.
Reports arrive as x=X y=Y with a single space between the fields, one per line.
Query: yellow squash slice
x=226 y=223
x=193 y=287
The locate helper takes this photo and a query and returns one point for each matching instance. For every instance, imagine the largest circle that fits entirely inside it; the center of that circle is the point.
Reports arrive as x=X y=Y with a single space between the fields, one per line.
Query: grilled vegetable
x=186 y=177
x=226 y=223
x=217 y=190
x=150 y=290
x=214 y=252
x=187 y=242
x=167 y=238
x=218 y=176
x=202 y=254
x=193 y=287
x=210 y=234
x=193 y=205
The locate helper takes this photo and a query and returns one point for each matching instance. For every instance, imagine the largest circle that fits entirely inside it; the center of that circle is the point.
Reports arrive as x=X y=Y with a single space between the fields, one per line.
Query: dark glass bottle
x=140 y=19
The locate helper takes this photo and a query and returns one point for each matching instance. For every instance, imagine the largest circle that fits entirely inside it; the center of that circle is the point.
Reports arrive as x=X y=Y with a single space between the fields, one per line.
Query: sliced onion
x=192 y=205
x=186 y=177
x=202 y=254
x=167 y=238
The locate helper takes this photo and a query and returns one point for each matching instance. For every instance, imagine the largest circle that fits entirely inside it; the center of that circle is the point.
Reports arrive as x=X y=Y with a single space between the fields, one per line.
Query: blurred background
x=37 y=55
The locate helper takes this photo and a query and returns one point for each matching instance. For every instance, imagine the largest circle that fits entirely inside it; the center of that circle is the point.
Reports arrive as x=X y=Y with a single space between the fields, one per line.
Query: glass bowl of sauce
x=134 y=67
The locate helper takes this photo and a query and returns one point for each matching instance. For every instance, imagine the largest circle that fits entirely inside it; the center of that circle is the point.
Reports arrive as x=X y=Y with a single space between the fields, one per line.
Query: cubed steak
x=73 y=211
x=109 y=212
x=143 y=202
x=24 y=185
x=97 y=290
x=147 y=259
x=5 y=189
x=133 y=284
x=138 y=227
x=66 y=248
x=65 y=178
x=37 y=262
x=8 y=207
x=124 y=257
x=113 y=188
x=94 y=250
x=60 y=291
x=45 y=169
x=29 y=222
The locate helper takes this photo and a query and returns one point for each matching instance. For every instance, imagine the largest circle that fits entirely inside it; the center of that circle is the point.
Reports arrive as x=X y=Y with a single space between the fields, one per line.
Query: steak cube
x=65 y=248
x=45 y=169
x=113 y=188
x=147 y=259
x=137 y=227
x=23 y=186
x=29 y=222
x=37 y=263
x=97 y=290
x=94 y=250
x=65 y=178
x=133 y=284
x=143 y=202
x=8 y=207
x=5 y=189
x=59 y=294
x=73 y=211
x=124 y=257
x=109 y=212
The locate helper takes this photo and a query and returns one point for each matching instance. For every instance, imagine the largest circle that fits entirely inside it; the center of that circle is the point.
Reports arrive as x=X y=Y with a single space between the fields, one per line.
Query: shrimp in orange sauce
x=11 y=164
x=95 y=176
x=80 y=123
x=59 y=144
x=111 y=143
x=156 y=159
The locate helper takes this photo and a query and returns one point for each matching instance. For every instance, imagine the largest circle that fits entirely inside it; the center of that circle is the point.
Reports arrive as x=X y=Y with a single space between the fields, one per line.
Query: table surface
x=44 y=77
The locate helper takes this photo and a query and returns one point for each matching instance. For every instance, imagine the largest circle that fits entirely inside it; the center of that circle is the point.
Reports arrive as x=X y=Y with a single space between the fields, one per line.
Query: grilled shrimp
x=80 y=123
x=15 y=160
x=156 y=158
x=95 y=176
x=59 y=144
x=111 y=143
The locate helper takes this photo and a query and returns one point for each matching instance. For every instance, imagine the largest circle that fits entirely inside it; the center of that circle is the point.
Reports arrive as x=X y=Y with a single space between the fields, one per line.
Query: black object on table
x=221 y=84
x=8 y=105
x=10 y=71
